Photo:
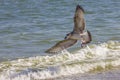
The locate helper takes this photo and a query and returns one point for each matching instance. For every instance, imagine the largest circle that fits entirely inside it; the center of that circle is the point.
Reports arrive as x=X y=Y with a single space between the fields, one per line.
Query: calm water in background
x=29 y=27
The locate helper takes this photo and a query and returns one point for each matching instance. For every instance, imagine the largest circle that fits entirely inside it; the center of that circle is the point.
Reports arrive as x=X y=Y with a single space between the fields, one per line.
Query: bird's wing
x=61 y=45
x=79 y=22
x=86 y=37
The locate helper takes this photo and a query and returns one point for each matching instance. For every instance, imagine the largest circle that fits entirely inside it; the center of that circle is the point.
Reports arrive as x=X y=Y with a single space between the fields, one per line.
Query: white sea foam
x=92 y=57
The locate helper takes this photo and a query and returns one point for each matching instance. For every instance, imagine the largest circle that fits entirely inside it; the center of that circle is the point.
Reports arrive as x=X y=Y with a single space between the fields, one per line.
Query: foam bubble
x=91 y=58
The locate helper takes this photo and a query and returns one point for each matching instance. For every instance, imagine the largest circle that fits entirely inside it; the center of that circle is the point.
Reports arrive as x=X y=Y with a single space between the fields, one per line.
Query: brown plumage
x=79 y=22
x=62 y=45
x=78 y=33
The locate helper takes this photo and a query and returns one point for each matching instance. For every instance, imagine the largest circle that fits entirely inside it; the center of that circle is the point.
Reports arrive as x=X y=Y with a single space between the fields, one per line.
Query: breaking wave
x=94 y=57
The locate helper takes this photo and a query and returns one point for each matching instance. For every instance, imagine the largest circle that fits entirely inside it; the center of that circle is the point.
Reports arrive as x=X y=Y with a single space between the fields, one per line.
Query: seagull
x=79 y=33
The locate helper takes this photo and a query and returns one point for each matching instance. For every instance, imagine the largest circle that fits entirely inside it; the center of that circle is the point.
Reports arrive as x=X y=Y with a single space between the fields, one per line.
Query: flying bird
x=79 y=33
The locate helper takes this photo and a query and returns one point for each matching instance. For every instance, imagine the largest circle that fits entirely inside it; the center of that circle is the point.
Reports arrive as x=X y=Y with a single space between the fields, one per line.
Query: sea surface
x=29 y=27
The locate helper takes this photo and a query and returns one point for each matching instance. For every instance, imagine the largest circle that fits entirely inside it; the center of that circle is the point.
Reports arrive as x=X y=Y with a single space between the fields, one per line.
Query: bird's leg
x=83 y=45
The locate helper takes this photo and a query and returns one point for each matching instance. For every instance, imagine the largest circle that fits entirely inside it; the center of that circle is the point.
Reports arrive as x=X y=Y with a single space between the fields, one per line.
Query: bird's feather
x=61 y=45
x=86 y=37
x=79 y=22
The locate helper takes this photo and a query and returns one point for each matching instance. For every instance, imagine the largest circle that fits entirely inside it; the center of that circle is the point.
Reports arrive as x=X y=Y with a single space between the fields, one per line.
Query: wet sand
x=113 y=74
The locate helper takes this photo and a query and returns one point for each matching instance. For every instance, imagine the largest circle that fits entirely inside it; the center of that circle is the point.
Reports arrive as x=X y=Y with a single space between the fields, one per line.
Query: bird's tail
x=86 y=37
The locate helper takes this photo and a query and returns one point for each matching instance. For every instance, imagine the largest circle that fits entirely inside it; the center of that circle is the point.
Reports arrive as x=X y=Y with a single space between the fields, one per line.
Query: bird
x=79 y=33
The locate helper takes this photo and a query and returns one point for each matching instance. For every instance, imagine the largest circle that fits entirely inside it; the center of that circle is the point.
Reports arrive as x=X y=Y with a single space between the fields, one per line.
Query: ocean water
x=29 y=27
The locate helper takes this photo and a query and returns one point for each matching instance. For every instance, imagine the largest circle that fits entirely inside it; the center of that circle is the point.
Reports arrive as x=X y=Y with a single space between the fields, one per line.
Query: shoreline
x=113 y=74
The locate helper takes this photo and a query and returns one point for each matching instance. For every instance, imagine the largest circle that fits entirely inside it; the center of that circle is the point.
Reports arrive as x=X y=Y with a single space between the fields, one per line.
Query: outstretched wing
x=61 y=45
x=79 y=22
x=86 y=37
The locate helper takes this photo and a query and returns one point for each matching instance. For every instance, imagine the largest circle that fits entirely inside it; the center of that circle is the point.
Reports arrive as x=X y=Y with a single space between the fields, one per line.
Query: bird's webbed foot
x=83 y=45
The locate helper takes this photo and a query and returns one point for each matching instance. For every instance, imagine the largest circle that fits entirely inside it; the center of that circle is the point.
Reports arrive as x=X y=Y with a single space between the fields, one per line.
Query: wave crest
x=92 y=58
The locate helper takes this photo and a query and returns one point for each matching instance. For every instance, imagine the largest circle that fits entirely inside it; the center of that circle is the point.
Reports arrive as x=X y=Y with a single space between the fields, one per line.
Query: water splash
x=92 y=58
